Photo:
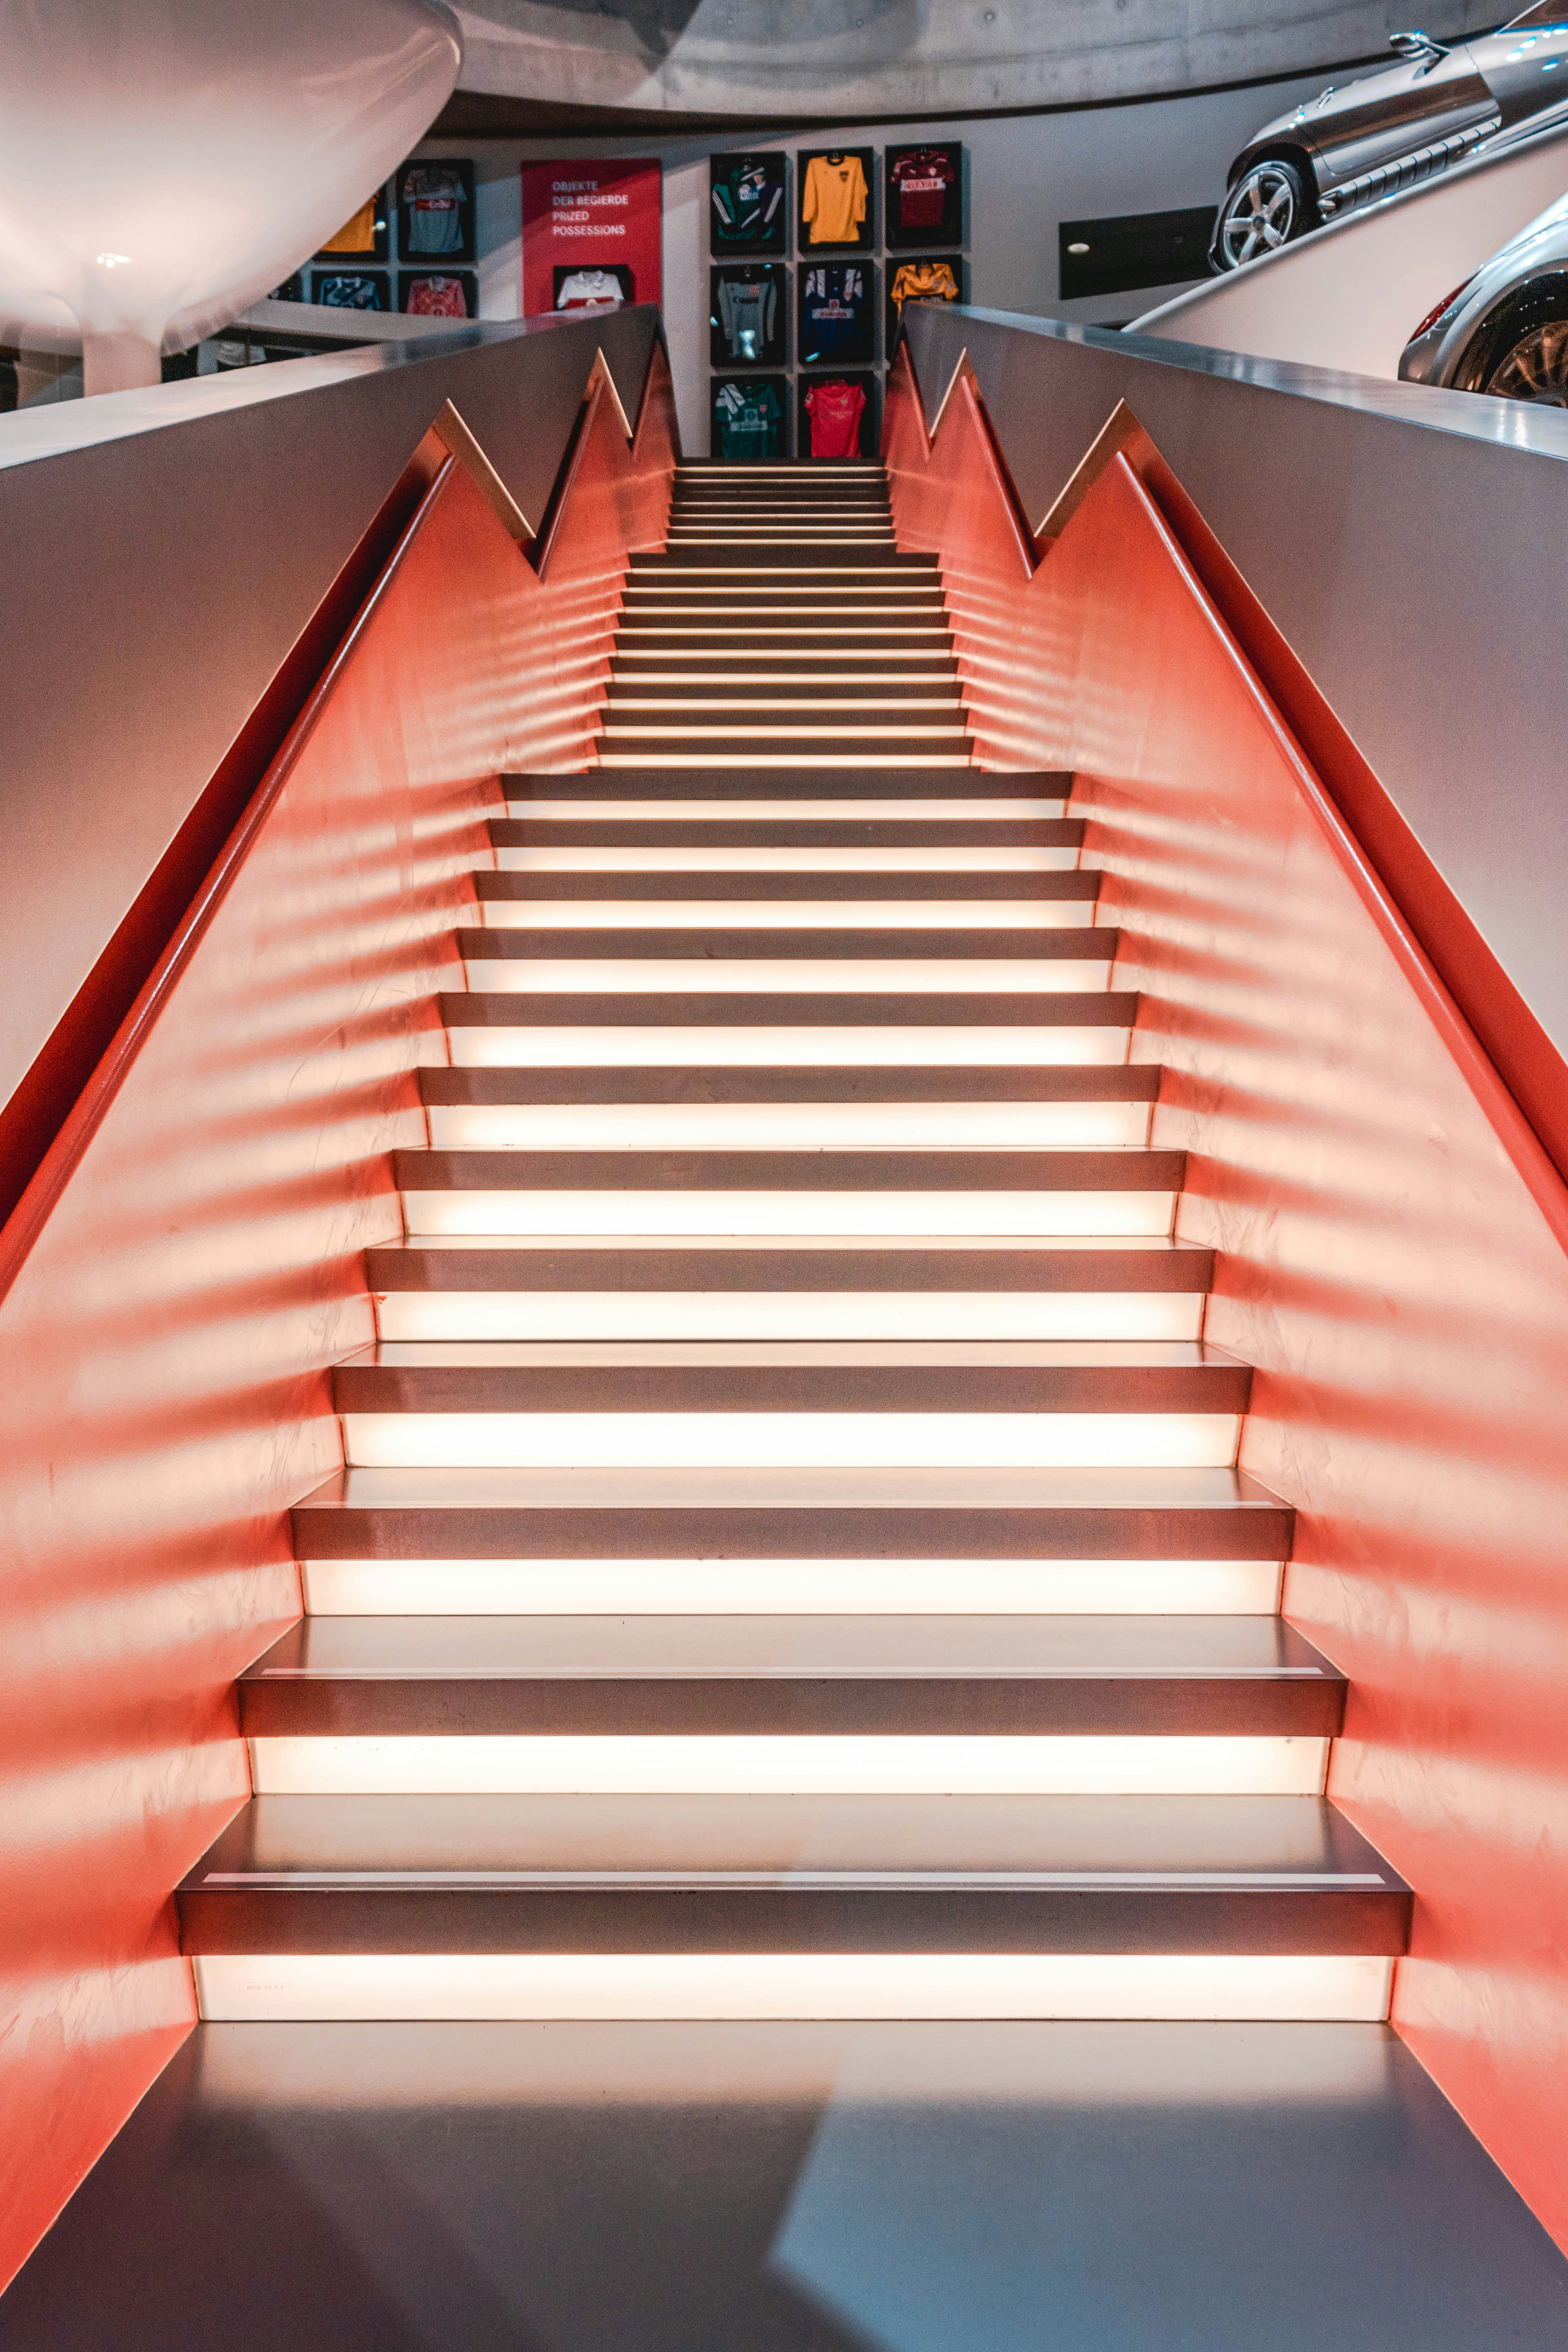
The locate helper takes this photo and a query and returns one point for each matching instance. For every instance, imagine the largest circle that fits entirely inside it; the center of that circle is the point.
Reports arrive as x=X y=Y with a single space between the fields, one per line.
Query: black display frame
x=869 y=381
x=457 y=256
x=955 y=261
x=751 y=379
x=378 y=251
x=858 y=353
x=621 y=271
x=775 y=236
x=381 y=278
x=775 y=351
x=949 y=232
x=864 y=240
x=468 y=278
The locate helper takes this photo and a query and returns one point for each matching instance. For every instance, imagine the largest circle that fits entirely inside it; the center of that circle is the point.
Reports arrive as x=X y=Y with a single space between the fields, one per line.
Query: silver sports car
x=1390 y=129
x=1505 y=330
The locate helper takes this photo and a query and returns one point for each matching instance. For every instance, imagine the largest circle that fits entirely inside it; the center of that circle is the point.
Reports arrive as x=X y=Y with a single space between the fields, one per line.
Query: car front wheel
x=1266 y=207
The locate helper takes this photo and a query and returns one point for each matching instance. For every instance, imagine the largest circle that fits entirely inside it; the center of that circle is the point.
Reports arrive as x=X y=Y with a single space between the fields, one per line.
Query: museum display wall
x=1030 y=188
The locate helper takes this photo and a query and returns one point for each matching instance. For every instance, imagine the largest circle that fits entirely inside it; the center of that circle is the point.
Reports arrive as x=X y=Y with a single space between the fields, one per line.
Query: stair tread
x=814 y=1355
x=766 y=888
x=788 y=832
x=817 y=1513
x=1119 y=1168
x=676 y=1083
x=1152 y=1839
x=866 y=1487
x=1085 y=943
x=816 y=1009
x=816 y=785
x=466 y=1262
x=812 y=1377
x=742 y=1648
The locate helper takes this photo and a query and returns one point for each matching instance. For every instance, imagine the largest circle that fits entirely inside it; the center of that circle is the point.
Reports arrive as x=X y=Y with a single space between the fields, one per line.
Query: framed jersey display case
x=439 y=293
x=750 y=417
x=924 y=196
x=834 y=200
x=935 y=277
x=366 y=235
x=748 y=315
x=351 y=290
x=747 y=212
x=838 y=313
x=578 y=288
x=838 y=415
x=435 y=210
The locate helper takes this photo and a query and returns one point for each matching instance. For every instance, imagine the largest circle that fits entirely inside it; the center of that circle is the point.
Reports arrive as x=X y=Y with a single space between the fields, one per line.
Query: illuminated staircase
x=791 y=1561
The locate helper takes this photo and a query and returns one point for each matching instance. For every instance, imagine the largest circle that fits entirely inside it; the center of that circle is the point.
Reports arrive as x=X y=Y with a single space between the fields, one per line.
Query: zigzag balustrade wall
x=164 y=1339
x=1391 y=1237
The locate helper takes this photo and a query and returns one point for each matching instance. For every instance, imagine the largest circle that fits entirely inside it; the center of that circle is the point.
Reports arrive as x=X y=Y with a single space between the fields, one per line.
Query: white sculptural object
x=164 y=163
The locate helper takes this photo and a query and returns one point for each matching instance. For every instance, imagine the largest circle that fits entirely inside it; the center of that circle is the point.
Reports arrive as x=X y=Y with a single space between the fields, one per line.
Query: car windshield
x=1546 y=12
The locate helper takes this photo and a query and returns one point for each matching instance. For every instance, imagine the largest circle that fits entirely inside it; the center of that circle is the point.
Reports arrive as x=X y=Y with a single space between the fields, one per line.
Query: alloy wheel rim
x=1536 y=368
x=1259 y=217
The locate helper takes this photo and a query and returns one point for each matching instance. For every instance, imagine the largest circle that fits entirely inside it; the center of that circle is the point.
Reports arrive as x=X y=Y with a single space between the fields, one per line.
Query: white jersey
x=588 y=286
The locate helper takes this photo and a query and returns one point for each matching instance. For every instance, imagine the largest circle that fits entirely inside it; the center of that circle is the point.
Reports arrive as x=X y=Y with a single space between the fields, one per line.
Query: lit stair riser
x=785 y=975
x=861 y=1214
x=1109 y=1765
x=549 y=1046
x=788 y=1314
x=850 y=1587
x=1333 y=1986
x=780 y=1439
x=933 y=808
x=613 y=1127
x=718 y=857
x=763 y=913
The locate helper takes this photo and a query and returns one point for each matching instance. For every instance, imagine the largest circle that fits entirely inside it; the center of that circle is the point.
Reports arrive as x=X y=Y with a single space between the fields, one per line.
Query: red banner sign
x=591 y=233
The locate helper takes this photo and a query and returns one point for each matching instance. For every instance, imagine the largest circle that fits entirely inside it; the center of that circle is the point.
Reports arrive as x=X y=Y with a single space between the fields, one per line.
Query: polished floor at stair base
x=793 y=2188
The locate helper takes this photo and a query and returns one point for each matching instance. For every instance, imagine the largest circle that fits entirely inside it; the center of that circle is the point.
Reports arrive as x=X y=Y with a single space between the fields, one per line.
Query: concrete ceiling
x=750 y=60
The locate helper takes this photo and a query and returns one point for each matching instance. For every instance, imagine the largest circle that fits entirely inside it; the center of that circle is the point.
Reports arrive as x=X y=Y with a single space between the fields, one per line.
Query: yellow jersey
x=833 y=203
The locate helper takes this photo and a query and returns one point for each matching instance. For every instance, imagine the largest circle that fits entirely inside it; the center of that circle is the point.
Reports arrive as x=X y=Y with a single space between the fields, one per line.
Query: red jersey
x=437 y=298
x=921 y=181
x=834 y=409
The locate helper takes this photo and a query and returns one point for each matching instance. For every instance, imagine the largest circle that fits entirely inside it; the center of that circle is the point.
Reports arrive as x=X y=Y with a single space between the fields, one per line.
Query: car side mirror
x=1416 y=46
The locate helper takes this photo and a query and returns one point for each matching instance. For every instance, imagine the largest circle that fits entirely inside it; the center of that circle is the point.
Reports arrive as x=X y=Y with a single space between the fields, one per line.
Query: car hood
x=1340 y=97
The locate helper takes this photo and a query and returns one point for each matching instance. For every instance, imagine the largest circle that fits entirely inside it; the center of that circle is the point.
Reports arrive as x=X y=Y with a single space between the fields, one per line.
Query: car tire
x=1268 y=206
x=1521 y=354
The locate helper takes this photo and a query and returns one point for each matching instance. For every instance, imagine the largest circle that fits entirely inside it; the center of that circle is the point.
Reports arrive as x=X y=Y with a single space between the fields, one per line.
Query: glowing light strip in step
x=840 y=731
x=926 y=1214
x=789 y=1314
x=721 y=858
x=604 y=1047
x=931 y=808
x=763 y=913
x=811 y=1765
x=854 y=1586
x=819 y=699
x=1348 y=1987
x=640 y=755
x=837 y=1126
x=789 y=975
x=629 y=634
x=665 y=1440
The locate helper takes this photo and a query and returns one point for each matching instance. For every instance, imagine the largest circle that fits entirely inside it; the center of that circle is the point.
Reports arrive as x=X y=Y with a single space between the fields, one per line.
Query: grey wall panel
x=1408 y=544
x=163 y=551
x=753 y=60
